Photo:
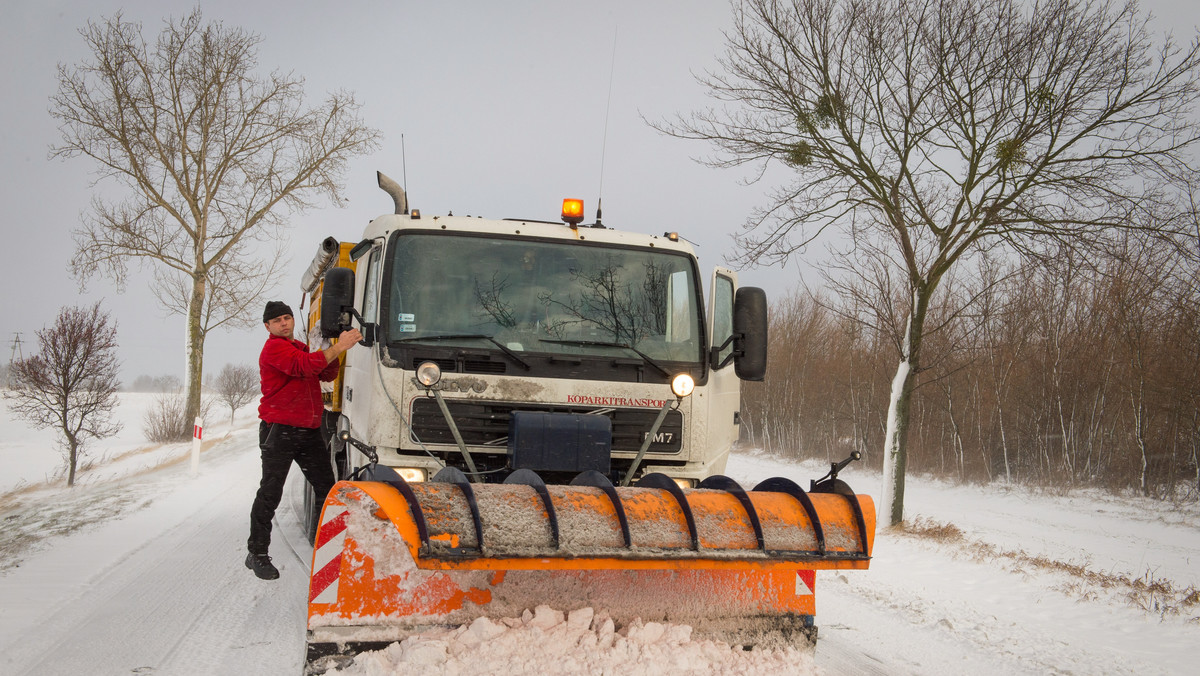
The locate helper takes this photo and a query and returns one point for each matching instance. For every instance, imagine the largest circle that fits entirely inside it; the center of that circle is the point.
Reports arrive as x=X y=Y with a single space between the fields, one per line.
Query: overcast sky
x=501 y=105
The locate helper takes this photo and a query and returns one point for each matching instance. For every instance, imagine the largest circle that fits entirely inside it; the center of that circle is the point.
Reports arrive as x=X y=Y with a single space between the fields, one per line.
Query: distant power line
x=16 y=348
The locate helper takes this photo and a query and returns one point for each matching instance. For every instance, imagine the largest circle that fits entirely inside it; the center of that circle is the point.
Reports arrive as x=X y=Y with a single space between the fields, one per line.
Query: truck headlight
x=410 y=474
x=682 y=385
x=429 y=373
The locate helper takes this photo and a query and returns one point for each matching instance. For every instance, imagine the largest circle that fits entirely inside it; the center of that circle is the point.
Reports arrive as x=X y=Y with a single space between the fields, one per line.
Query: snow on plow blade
x=392 y=559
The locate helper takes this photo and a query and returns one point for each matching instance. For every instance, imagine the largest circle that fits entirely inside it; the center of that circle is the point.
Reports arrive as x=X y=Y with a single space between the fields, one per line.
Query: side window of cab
x=370 y=303
x=722 y=318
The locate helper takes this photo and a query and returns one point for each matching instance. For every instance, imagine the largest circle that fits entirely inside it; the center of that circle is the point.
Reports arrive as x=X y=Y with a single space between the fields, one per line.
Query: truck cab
x=553 y=347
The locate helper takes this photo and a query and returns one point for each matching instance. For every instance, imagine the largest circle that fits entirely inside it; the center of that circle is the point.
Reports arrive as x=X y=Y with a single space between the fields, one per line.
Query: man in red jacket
x=290 y=428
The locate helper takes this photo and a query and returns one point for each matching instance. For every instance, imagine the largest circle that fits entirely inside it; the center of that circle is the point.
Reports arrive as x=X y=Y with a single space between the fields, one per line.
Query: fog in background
x=502 y=107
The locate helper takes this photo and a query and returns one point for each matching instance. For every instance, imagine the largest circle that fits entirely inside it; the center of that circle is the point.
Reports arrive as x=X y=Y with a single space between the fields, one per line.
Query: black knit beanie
x=275 y=308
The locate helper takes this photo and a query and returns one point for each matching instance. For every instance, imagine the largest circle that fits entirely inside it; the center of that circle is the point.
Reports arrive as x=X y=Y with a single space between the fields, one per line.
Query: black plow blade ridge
x=528 y=477
x=779 y=484
x=721 y=482
x=666 y=483
x=595 y=479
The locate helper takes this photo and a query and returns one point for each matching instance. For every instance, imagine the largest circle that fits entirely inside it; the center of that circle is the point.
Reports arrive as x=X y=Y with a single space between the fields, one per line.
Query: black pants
x=280 y=445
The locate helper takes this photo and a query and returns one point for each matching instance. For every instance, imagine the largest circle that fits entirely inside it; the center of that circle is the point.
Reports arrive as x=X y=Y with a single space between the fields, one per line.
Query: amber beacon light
x=572 y=211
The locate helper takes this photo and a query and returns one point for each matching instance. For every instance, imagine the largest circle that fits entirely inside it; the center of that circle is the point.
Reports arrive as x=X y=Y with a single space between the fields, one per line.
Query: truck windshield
x=543 y=296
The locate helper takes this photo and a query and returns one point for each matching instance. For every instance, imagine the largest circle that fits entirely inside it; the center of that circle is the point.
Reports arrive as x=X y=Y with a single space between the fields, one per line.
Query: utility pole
x=16 y=350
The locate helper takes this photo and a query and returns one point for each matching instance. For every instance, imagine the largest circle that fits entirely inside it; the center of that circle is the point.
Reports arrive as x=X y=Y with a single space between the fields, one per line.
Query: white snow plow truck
x=540 y=413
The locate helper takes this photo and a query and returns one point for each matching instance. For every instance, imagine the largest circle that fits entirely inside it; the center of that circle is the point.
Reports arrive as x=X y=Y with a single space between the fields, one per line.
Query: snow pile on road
x=547 y=641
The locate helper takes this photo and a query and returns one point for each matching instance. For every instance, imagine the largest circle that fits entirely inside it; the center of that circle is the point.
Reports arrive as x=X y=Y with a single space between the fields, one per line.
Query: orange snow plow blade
x=392 y=559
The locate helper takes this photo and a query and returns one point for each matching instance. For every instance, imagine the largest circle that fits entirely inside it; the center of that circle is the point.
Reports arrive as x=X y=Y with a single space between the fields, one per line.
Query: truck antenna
x=604 y=142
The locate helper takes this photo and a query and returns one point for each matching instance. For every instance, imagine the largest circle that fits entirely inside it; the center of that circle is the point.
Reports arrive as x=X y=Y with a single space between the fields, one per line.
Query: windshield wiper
x=599 y=343
x=479 y=336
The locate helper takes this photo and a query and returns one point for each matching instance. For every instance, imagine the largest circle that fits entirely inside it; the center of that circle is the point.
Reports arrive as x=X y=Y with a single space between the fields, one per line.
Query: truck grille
x=483 y=423
x=468 y=365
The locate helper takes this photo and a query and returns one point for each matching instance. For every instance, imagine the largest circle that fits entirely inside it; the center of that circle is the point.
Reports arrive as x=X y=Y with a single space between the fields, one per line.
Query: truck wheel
x=312 y=512
x=338 y=456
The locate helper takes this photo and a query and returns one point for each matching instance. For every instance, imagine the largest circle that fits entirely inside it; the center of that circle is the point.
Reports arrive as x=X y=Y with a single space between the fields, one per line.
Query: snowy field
x=139 y=570
x=31 y=458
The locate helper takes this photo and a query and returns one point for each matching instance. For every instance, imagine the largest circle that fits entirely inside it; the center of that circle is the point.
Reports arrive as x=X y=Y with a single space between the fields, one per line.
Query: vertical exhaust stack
x=395 y=190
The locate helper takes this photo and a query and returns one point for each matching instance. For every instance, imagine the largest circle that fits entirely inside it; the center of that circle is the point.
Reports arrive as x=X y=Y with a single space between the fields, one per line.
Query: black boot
x=261 y=565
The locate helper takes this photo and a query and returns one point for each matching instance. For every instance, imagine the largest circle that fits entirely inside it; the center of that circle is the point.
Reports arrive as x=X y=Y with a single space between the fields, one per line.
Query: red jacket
x=291 y=386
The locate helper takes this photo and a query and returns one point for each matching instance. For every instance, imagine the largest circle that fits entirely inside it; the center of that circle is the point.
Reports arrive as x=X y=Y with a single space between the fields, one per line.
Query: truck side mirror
x=750 y=333
x=337 y=302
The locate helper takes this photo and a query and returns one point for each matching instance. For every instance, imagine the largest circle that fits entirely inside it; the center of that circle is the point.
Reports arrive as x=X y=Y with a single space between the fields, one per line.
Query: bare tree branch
x=236 y=386
x=942 y=128
x=71 y=383
x=211 y=155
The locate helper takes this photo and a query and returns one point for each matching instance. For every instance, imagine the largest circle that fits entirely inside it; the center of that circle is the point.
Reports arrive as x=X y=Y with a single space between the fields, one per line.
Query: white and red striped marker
x=197 y=433
x=803 y=587
x=327 y=555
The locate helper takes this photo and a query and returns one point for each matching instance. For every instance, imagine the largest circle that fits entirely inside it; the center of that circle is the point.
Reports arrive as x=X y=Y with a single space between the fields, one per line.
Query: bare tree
x=233 y=293
x=148 y=383
x=614 y=299
x=165 y=421
x=1058 y=374
x=213 y=157
x=71 y=383
x=940 y=128
x=236 y=386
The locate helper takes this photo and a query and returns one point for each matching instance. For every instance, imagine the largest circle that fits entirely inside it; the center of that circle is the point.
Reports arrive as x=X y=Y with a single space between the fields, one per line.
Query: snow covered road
x=161 y=590
x=931 y=607
x=150 y=580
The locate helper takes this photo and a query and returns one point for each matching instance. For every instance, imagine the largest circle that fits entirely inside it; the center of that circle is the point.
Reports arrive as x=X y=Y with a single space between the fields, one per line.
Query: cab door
x=358 y=379
x=723 y=390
